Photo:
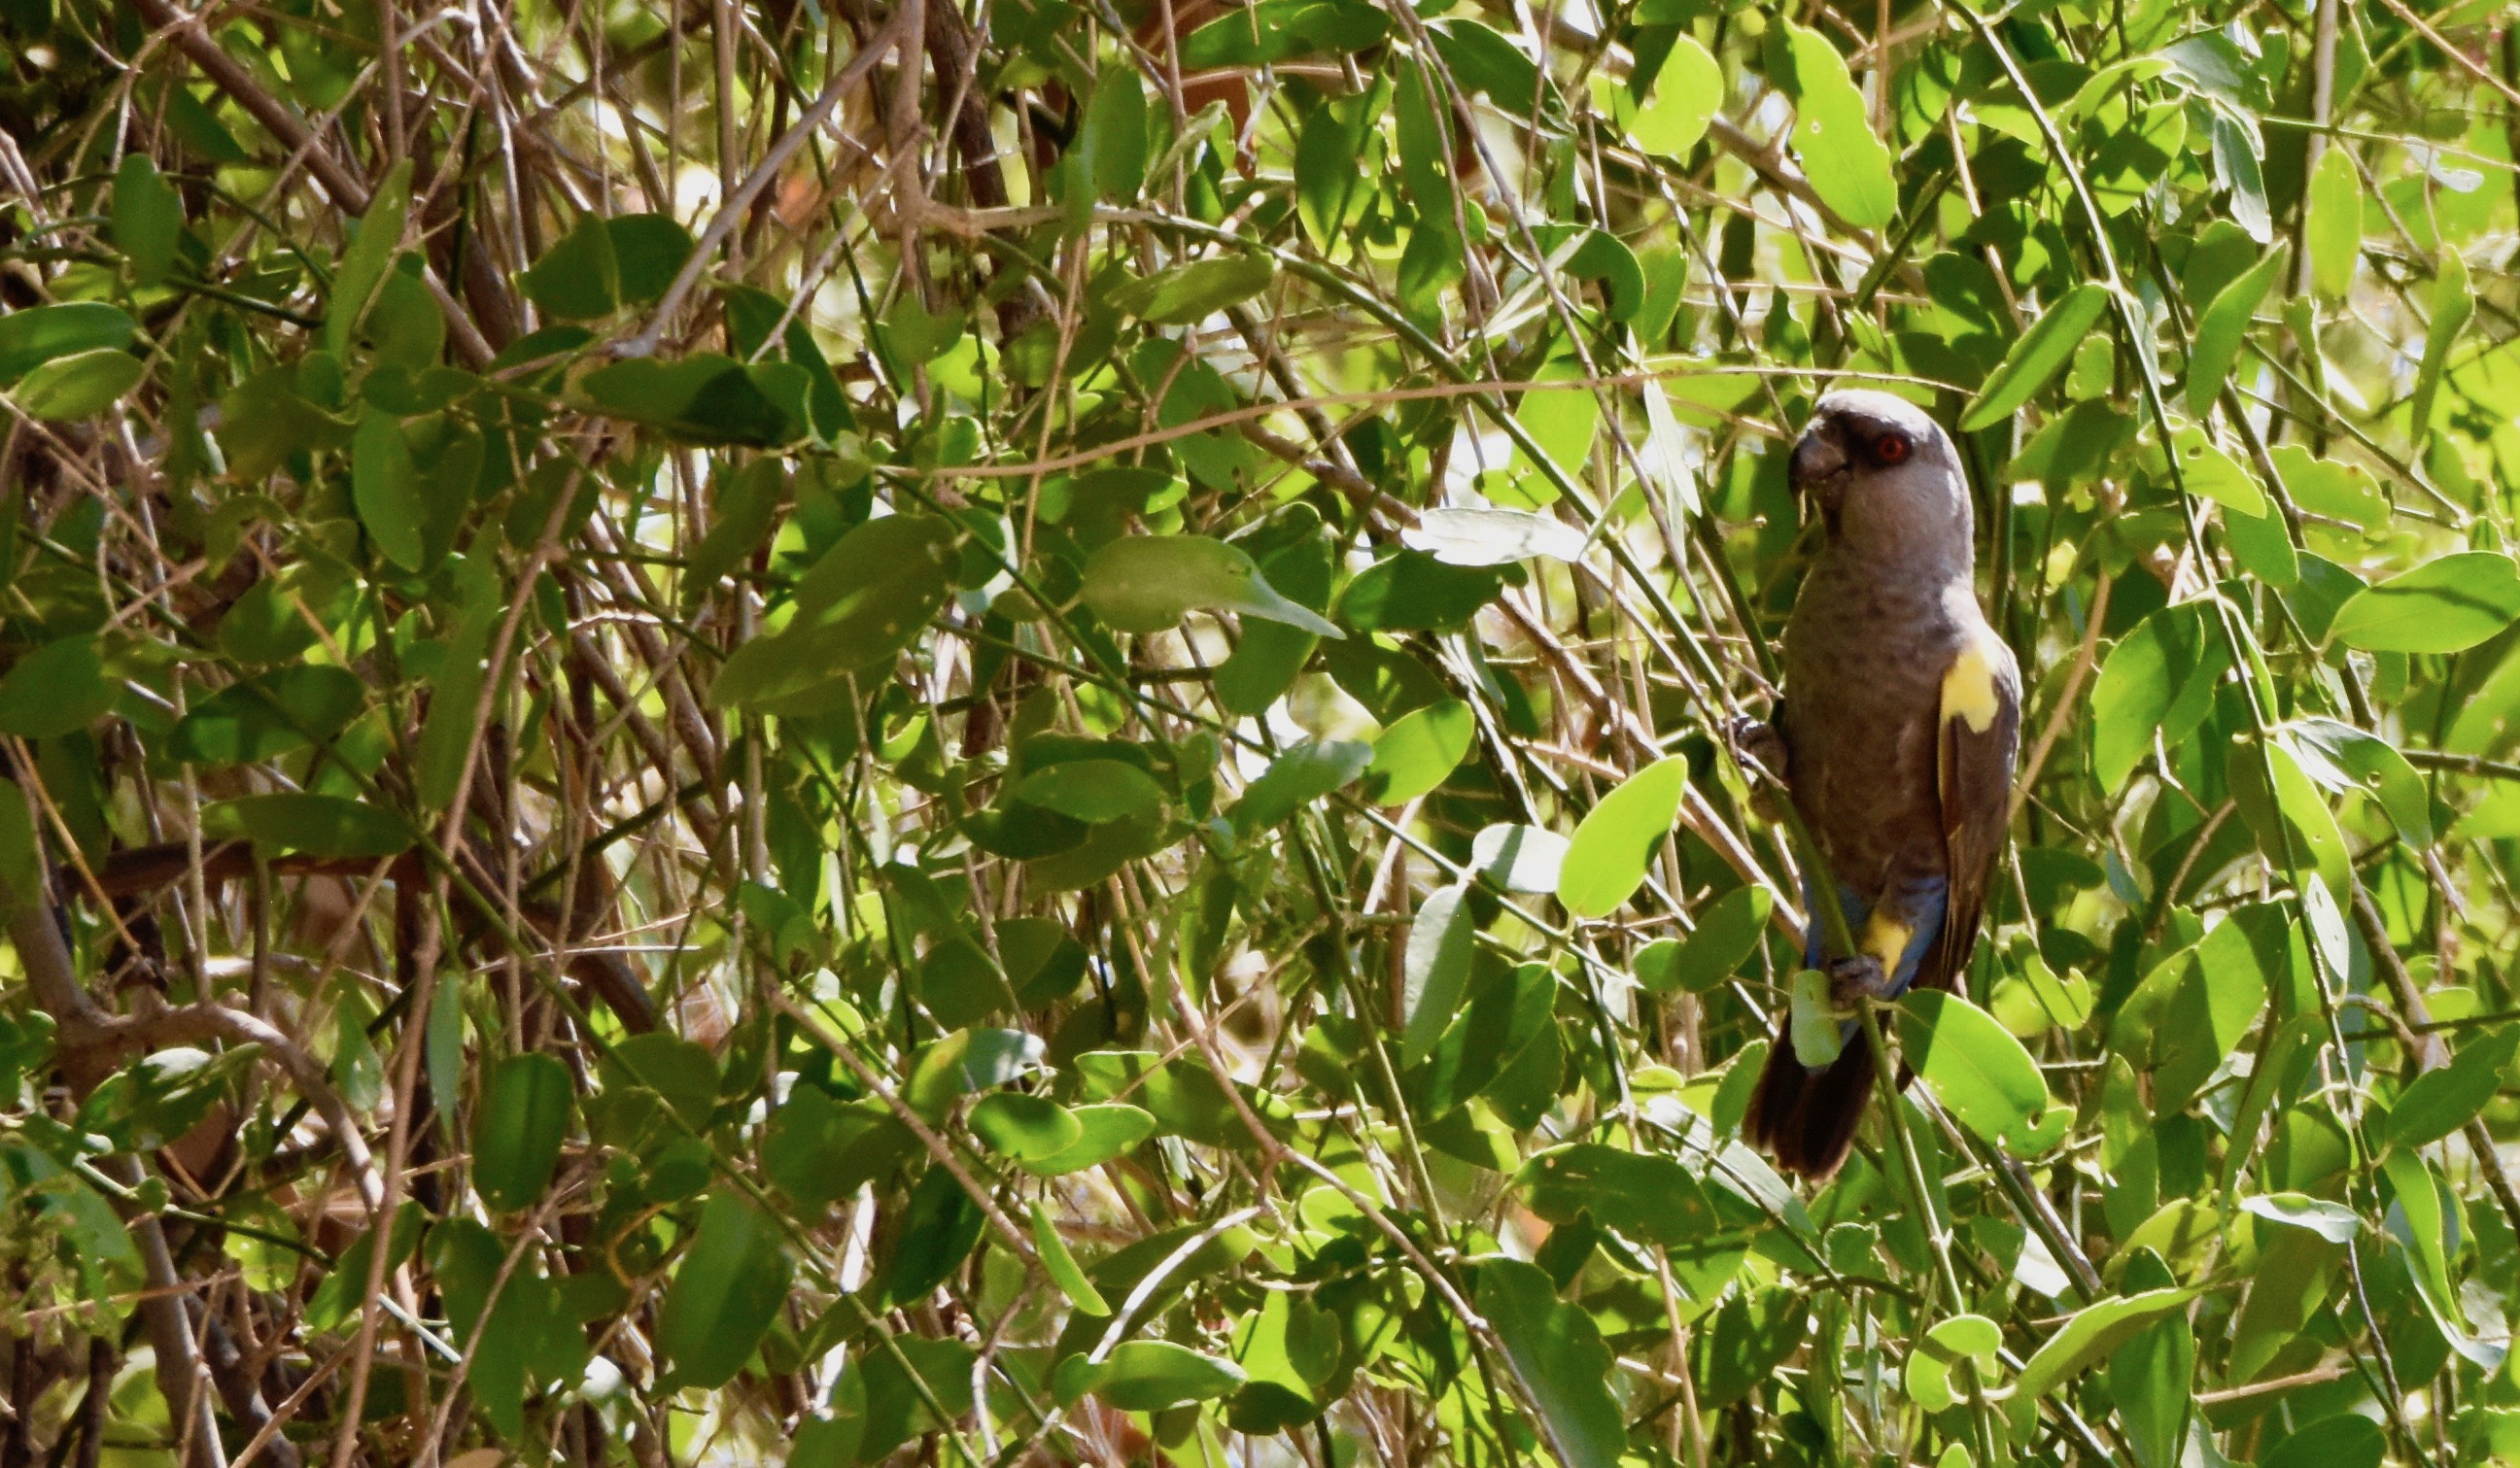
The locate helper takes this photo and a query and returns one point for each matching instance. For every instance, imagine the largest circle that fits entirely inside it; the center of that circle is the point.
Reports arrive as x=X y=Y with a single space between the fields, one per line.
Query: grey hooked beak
x=1820 y=465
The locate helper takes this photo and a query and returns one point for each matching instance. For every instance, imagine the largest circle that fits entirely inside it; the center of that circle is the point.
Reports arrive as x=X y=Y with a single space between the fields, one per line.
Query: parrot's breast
x=1871 y=663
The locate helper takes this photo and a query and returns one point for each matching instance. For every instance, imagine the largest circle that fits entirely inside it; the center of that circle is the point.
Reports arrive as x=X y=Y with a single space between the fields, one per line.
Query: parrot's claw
x=1856 y=979
x=1756 y=743
x=1761 y=751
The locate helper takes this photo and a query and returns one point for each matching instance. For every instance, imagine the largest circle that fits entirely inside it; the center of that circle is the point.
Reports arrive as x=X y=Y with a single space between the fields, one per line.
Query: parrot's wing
x=1981 y=729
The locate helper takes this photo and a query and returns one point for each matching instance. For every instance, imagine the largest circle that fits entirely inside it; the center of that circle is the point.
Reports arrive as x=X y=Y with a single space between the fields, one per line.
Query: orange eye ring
x=1890 y=448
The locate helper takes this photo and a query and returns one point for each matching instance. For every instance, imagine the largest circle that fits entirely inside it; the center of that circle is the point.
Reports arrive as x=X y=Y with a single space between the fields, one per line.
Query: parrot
x=1894 y=737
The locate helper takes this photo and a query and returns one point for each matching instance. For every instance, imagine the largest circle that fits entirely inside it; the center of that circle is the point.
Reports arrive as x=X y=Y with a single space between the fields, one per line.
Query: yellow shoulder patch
x=1968 y=688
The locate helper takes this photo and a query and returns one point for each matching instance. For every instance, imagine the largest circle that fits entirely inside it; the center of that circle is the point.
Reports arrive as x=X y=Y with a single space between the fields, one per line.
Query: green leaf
x=2342 y=1439
x=917 y=335
x=1559 y=1354
x=1486 y=536
x=1148 y=583
x=1727 y=935
x=2332 y=1221
x=1411 y=591
x=1519 y=858
x=517 y=1134
x=318 y=825
x=1846 y=161
x=2440 y=1101
x=364 y=263
x=33 y=336
x=1302 y=775
x=1092 y=790
x=2332 y=220
x=2331 y=487
x=384 y=485
x=1812 y=1020
x=819 y=1150
x=2340 y=757
x=1331 y=189
x=80 y=385
x=2209 y=472
x=2421 y=1225
x=856 y=609
x=939 y=1229
x=2221 y=327
x=725 y=1293
x=1686 y=91
x=1977 y=1069
x=1107 y=1130
x=1435 y=970
x=1114 y=140
x=56 y=689
x=148 y=218
x=1190 y=294
x=1027 y=1128
x=706 y=398
x=285 y=709
x=578 y=278
x=1148 y=1376
x=1419 y=752
x=2093 y=1332
x=2447 y=605
x=1605 y=859
x=2453 y=303
x=2038 y=355
x=2159 y=680
x=967 y=1061
x=1060 y=1264
x=2149 y=1376
x=1649 y=1198
x=648 y=252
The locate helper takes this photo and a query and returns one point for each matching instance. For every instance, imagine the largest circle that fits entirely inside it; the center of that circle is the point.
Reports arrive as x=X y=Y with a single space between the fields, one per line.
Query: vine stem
x=1840 y=939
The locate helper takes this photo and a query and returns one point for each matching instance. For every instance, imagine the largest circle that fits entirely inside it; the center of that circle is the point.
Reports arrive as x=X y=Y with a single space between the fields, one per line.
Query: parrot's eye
x=1890 y=448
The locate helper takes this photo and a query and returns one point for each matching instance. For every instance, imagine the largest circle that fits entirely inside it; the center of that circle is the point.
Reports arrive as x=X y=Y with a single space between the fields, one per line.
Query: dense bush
x=758 y=732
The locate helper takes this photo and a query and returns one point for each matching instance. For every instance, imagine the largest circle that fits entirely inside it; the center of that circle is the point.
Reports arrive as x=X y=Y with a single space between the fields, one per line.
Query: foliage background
x=765 y=732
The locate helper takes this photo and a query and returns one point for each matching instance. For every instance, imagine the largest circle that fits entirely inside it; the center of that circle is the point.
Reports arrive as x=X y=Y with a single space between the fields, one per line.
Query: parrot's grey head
x=1885 y=478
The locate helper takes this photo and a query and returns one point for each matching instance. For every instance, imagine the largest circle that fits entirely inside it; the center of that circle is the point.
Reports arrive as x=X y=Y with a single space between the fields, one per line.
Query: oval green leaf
x=1093 y=792
x=1107 y=1130
x=56 y=689
x=1977 y=1069
x=36 y=335
x=2444 y=605
x=1605 y=859
x=80 y=384
x=318 y=825
x=860 y=604
x=1846 y=161
x=725 y=1296
x=1435 y=967
x=1024 y=1127
x=1727 y=933
x=1419 y=752
x=1148 y=583
x=1062 y=1266
x=524 y=1119
x=2041 y=353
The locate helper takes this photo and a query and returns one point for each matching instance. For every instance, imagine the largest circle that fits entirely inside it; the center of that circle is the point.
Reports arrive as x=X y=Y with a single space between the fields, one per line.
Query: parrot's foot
x=1854 y=980
x=1755 y=741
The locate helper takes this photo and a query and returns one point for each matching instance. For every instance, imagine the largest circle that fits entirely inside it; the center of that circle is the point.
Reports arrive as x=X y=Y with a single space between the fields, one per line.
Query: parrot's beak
x=1820 y=465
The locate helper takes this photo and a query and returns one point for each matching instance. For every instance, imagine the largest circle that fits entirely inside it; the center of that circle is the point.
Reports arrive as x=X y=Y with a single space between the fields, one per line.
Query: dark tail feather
x=1806 y=1119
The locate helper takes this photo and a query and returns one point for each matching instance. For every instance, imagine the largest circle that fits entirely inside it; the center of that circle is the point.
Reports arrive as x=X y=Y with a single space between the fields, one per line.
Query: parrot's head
x=1885 y=478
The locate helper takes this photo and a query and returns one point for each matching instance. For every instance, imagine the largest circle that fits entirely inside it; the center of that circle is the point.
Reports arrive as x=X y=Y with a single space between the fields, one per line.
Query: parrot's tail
x=1806 y=1119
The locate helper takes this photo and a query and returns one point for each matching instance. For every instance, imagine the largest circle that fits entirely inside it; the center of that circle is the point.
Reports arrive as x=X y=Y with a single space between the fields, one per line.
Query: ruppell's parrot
x=1895 y=738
